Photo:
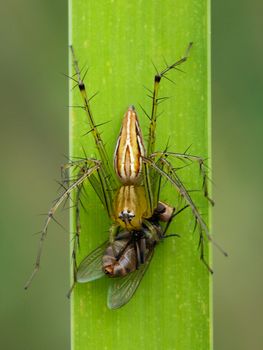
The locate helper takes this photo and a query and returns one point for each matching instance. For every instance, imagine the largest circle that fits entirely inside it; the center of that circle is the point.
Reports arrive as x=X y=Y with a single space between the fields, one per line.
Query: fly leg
x=142 y=250
x=174 y=214
x=152 y=232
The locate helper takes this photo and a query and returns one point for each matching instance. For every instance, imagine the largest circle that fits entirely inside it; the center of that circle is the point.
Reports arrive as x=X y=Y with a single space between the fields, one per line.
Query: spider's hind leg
x=76 y=238
x=66 y=193
x=202 y=257
x=193 y=159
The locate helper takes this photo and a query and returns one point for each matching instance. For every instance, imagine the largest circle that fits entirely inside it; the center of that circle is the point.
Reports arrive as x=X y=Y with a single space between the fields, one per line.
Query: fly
x=126 y=259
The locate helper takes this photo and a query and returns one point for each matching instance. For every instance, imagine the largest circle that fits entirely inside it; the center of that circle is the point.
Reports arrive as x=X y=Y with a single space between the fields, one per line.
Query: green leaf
x=118 y=41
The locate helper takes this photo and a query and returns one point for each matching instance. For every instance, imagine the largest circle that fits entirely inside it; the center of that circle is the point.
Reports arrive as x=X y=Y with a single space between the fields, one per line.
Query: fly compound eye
x=126 y=215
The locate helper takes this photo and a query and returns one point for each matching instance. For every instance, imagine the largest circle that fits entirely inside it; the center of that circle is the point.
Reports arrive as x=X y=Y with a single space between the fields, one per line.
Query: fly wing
x=123 y=288
x=90 y=268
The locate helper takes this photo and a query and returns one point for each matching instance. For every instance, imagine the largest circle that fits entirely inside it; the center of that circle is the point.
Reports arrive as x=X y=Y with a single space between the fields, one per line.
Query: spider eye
x=126 y=215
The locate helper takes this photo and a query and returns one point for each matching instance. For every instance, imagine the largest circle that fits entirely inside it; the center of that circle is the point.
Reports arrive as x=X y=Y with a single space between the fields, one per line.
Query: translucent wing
x=123 y=288
x=90 y=268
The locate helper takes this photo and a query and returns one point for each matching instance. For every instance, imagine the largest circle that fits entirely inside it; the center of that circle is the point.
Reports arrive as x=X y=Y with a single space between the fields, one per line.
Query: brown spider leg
x=51 y=213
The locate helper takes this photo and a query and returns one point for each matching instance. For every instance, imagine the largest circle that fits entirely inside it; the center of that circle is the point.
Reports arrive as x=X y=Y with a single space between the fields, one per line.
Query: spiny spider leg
x=151 y=201
x=98 y=184
x=107 y=176
x=155 y=101
x=152 y=193
x=79 y=164
x=192 y=158
x=76 y=238
x=52 y=211
x=172 y=177
x=202 y=257
x=182 y=190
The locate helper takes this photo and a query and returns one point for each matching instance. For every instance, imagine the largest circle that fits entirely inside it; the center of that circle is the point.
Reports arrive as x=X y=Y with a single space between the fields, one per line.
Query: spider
x=131 y=197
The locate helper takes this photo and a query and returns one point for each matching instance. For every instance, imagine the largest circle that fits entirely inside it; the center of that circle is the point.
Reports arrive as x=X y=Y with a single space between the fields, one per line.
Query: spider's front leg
x=152 y=180
x=156 y=100
x=105 y=168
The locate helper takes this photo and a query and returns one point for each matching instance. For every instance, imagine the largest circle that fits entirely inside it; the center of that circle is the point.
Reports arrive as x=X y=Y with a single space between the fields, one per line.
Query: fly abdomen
x=112 y=253
x=127 y=262
x=115 y=266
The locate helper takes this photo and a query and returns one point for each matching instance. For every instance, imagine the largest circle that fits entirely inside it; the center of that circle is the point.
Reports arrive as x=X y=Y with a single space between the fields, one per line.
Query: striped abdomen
x=129 y=149
x=119 y=258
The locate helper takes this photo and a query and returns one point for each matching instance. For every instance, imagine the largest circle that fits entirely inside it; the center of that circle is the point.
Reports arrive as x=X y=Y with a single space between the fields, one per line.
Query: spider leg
x=76 y=238
x=86 y=174
x=106 y=170
x=150 y=198
x=102 y=194
x=156 y=100
x=79 y=163
x=113 y=232
x=152 y=186
x=98 y=183
x=172 y=177
x=202 y=257
x=197 y=159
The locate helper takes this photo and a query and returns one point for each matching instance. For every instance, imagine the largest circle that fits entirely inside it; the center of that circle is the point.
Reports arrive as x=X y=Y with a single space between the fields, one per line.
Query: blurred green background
x=34 y=140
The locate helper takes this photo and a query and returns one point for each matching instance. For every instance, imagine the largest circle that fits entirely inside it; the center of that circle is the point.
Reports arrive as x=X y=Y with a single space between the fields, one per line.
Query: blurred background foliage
x=34 y=141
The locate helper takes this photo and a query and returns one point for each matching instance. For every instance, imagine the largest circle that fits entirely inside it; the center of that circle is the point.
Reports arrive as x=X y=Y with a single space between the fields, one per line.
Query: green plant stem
x=118 y=40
